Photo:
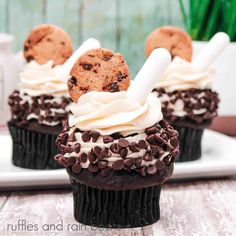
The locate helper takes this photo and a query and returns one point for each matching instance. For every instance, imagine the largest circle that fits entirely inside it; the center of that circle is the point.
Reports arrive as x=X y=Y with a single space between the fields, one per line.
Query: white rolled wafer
x=90 y=43
x=149 y=74
x=210 y=52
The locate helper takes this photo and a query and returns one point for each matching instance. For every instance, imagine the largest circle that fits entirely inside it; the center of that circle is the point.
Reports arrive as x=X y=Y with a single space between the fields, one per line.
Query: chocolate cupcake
x=117 y=152
x=188 y=102
x=41 y=103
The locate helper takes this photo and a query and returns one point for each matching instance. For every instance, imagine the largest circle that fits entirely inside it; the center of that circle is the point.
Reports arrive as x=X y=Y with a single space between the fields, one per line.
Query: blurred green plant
x=203 y=18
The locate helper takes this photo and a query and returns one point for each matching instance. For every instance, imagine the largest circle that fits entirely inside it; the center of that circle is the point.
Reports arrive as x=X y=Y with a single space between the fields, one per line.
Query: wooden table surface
x=203 y=207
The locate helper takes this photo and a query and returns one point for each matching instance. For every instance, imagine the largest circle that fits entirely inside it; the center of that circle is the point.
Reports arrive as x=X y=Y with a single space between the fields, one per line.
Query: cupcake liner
x=190 y=143
x=116 y=209
x=33 y=150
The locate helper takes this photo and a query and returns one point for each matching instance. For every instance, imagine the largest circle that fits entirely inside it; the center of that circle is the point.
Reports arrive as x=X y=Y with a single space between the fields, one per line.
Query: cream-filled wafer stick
x=149 y=74
x=210 y=52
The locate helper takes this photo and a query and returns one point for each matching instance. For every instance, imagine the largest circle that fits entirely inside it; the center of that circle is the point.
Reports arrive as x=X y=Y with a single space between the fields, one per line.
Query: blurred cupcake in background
x=41 y=102
x=188 y=101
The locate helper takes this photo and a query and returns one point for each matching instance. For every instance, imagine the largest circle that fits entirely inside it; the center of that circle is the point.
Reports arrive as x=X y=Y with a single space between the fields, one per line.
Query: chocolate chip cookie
x=174 y=39
x=98 y=70
x=47 y=42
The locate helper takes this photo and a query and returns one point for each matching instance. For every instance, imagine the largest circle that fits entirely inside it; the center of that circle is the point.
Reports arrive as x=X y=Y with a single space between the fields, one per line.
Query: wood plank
x=3 y=15
x=99 y=21
x=65 y=13
x=23 y=16
x=137 y=20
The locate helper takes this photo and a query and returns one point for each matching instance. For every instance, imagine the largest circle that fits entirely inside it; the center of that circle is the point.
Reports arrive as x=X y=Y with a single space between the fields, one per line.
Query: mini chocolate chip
x=107 y=139
x=142 y=144
x=128 y=161
x=147 y=157
x=142 y=171
x=115 y=148
x=154 y=149
x=83 y=157
x=159 y=164
x=134 y=147
x=102 y=164
x=138 y=162
x=26 y=48
x=118 y=165
x=119 y=76
x=29 y=58
x=164 y=136
x=151 y=139
x=167 y=147
x=105 y=153
x=123 y=152
x=95 y=135
x=158 y=139
x=63 y=137
x=151 y=130
x=87 y=66
x=91 y=156
x=151 y=170
x=166 y=159
x=175 y=153
x=77 y=147
x=73 y=81
x=68 y=149
x=163 y=123
x=97 y=150
x=58 y=157
x=71 y=161
x=122 y=142
x=104 y=172
x=116 y=135
x=113 y=87
x=62 y=148
x=76 y=168
x=106 y=58
x=172 y=131
x=86 y=136
x=93 y=167
x=174 y=142
x=63 y=161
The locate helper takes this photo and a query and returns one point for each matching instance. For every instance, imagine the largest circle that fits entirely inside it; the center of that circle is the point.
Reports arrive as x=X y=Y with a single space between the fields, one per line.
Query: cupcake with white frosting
x=117 y=152
x=188 y=101
x=40 y=104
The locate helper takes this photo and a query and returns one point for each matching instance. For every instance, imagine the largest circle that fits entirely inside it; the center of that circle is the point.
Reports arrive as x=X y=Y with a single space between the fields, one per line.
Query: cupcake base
x=190 y=143
x=33 y=150
x=119 y=200
x=116 y=209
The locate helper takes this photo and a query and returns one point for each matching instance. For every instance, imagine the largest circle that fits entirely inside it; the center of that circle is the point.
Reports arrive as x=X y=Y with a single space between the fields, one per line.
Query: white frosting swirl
x=181 y=76
x=36 y=79
x=109 y=113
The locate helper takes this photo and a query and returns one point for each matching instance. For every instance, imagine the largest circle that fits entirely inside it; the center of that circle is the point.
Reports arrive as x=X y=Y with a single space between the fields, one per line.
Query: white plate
x=218 y=159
